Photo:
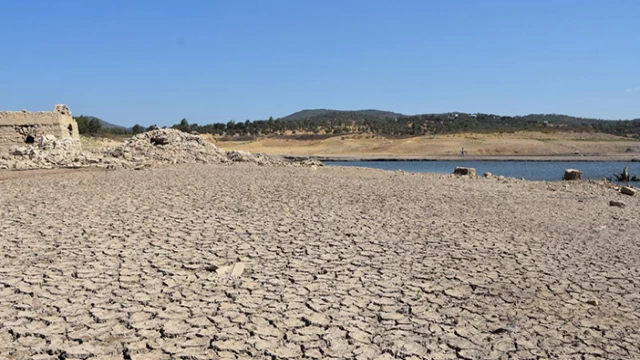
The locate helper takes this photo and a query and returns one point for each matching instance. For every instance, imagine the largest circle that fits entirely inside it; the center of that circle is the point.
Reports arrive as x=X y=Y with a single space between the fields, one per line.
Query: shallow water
x=530 y=170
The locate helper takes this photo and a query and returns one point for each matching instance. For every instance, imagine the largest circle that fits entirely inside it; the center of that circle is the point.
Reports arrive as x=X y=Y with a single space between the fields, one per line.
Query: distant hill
x=105 y=124
x=328 y=122
x=310 y=113
x=93 y=125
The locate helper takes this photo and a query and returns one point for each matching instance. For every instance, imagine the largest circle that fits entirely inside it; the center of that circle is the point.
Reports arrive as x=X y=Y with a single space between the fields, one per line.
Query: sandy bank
x=499 y=146
x=588 y=158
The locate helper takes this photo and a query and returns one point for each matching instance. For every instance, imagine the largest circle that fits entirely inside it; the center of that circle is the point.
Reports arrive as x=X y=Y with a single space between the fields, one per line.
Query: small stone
x=21 y=151
x=628 y=190
x=619 y=204
x=464 y=171
x=572 y=174
x=487 y=174
x=238 y=269
x=593 y=302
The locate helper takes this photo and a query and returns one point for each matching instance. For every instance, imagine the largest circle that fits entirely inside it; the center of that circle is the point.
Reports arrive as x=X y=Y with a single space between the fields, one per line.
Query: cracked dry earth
x=339 y=263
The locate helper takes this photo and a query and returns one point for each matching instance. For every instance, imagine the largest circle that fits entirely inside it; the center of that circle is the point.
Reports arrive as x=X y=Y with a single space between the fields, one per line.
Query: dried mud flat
x=342 y=263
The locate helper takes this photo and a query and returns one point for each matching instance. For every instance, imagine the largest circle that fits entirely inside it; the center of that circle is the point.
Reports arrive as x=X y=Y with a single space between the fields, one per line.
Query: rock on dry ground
x=337 y=262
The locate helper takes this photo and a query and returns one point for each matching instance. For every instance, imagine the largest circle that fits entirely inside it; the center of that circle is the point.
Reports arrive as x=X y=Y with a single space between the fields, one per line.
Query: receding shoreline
x=532 y=158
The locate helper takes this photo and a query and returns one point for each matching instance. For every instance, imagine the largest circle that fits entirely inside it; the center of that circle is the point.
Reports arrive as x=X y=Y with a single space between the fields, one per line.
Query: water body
x=530 y=170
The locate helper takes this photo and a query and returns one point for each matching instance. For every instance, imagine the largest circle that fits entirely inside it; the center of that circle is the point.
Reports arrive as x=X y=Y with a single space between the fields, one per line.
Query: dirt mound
x=155 y=147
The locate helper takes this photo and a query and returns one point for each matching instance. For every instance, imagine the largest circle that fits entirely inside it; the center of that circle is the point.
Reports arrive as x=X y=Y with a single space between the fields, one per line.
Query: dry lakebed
x=243 y=261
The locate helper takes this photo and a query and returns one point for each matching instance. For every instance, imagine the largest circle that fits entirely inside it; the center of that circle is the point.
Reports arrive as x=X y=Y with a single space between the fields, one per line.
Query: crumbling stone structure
x=25 y=127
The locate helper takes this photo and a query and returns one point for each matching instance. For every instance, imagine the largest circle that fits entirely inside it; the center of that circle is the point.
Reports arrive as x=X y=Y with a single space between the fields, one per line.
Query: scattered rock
x=487 y=174
x=20 y=151
x=619 y=204
x=572 y=174
x=241 y=156
x=464 y=171
x=628 y=190
x=593 y=302
x=260 y=159
x=211 y=268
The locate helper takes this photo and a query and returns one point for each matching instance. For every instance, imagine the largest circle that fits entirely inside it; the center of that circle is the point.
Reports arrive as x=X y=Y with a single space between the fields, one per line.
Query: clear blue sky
x=158 y=61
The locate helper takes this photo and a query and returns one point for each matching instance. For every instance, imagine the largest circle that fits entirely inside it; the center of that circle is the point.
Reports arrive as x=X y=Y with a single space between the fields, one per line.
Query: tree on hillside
x=88 y=125
x=137 y=129
x=358 y=122
x=183 y=126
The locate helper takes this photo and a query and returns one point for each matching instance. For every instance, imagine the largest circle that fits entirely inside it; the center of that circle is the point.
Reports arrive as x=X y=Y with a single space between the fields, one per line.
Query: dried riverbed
x=344 y=263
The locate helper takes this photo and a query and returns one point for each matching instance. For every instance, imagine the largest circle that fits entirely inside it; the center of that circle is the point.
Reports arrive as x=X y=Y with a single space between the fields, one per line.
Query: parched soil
x=339 y=262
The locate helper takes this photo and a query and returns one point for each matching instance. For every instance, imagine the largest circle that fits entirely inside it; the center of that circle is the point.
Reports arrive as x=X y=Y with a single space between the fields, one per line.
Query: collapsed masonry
x=25 y=127
x=155 y=147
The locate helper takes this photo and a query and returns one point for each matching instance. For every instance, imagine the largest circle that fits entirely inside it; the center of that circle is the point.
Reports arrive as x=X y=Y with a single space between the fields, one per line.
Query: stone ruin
x=155 y=147
x=25 y=127
x=46 y=140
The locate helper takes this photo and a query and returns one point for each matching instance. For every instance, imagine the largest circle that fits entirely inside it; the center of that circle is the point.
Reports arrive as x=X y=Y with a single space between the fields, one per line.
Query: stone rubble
x=155 y=147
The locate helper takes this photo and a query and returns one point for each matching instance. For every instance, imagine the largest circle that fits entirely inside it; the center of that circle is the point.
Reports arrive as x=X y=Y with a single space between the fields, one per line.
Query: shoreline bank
x=532 y=158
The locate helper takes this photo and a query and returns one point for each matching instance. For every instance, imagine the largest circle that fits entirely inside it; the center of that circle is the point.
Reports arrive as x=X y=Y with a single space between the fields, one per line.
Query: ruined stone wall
x=20 y=127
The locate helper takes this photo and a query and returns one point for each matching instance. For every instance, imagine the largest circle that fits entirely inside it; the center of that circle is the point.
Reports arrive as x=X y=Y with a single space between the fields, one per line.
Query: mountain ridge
x=309 y=113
